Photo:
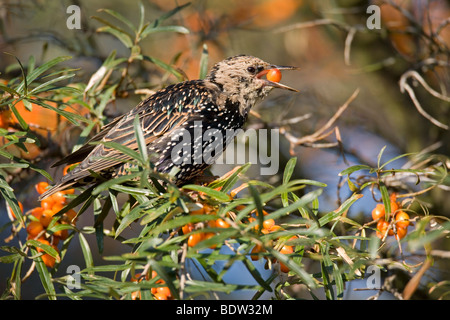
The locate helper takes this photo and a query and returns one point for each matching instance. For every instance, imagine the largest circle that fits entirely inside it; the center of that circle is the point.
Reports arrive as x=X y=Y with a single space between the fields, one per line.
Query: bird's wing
x=162 y=112
x=80 y=154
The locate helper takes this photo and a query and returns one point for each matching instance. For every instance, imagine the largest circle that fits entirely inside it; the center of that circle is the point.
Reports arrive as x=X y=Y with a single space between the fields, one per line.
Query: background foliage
x=371 y=121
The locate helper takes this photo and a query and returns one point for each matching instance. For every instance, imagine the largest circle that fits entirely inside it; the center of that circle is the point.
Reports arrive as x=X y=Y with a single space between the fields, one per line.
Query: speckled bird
x=221 y=102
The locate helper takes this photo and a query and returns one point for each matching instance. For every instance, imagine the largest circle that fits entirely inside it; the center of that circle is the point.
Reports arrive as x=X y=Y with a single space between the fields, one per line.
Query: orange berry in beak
x=274 y=75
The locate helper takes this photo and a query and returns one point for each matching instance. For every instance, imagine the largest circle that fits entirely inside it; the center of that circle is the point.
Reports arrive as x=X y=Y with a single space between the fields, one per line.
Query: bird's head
x=241 y=78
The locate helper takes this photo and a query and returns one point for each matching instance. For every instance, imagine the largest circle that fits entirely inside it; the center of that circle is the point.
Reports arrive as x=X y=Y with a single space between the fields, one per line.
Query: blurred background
x=329 y=40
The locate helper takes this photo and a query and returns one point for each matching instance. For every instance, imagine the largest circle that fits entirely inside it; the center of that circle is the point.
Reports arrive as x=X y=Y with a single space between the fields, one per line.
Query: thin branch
x=321 y=133
x=405 y=86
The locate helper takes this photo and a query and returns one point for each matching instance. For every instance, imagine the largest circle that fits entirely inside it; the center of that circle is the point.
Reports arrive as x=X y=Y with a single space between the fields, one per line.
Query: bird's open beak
x=276 y=84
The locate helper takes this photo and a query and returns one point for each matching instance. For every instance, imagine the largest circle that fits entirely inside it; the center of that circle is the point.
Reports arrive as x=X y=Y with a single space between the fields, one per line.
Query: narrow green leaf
x=258 y=204
x=150 y=29
x=16 y=280
x=339 y=282
x=114 y=183
x=231 y=180
x=215 y=194
x=11 y=91
x=171 y=13
x=11 y=201
x=352 y=169
x=86 y=252
x=397 y=157
x=22 y=122
x=141 y=18
x=380 y=154
x=305 y=277
x=386 y=200
x=133 y=154
x=43 y=68
x=124 y=37
x=288 y=171
x=47 y=248
x=204 y=62
x=165 y=66
x=136 y=213
x=140 y=139
x=256 y=275
x=121 y=18
x=340 y=211
x=44 y=275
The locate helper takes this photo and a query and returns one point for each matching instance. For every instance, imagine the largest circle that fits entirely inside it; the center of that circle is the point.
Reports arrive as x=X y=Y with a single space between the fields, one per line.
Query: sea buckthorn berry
x=274 y=75
x=159 y=296
x=34 y=228
x=61 y=234
x=46 y=217
x=69 y=168
x=394 y=207
x=382 y=227
x=5 y=118
x=136 y=295
x=37 y=212
x=11 y=213
x=378 y=212
x=275 y=228
x=48 y=260
x=187 y=228
x=41 y=187
x=285 y=250
x=194 y=239
x=43 y=241
x=164 y=291
x=220 y=223
x=402 y=219
x=268 y=224
x=284 y=268
x=212 y=223
x=197 y=212
x=256 y=249
x=59 y=197
x=401 y=233
x=209 y=235
x=68 y=191
x=393 y=197
x=47 y=203
x=70 y=217
x=57 y=207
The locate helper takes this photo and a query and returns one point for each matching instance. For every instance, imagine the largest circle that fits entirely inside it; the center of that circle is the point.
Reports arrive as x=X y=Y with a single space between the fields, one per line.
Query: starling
x=212 y=107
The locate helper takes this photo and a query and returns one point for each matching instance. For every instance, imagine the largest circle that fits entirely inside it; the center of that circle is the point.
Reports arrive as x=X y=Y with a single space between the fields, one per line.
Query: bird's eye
x=251 y=69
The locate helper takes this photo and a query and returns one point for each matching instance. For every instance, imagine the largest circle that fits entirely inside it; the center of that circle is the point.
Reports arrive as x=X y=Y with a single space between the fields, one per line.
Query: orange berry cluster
x=400 y=221
x=196 y=237
x=159 y=293
x=41 y=217
x=270 y=226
